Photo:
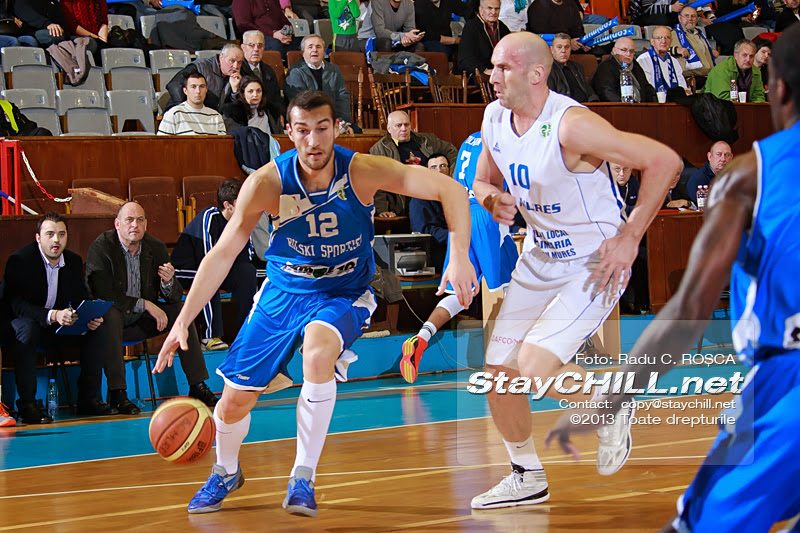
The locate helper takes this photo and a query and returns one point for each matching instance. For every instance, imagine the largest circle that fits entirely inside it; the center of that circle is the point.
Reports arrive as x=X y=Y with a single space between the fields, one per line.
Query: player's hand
x=166 y=272
x=616 y=257
x=460 y=274
x=94 y=324
x=157 y=313
x=503 y=208
x=177 y=338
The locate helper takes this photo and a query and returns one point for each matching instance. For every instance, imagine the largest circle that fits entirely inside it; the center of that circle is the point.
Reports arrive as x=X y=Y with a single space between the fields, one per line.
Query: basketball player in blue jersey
x=578 y=251
x=319 y=265
x=752 y=231
x=491 y=250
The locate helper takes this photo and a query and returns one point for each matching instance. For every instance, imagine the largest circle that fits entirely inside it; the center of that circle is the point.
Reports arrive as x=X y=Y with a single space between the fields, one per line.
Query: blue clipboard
x=87 y=311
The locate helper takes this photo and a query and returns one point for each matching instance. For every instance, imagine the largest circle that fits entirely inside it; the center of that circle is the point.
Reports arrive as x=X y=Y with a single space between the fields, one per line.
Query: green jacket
x=343 y=15
x=719 y=82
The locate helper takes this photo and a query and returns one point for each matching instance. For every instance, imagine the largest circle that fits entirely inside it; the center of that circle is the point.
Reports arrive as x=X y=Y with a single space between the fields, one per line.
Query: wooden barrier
x=671 y=124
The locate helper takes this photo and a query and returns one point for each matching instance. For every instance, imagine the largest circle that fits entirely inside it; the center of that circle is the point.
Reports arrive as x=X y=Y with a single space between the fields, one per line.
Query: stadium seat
x=34 y=77
x=637 y=30
x=84 y=112
x=202 y=54
x=157 y=196
x=13 y=56
x=128 y=70
x=215 y=25
x=148 y=23
x=301 y=28
x=25 y=98
x=323 y=28
x=293 y=56
x=167 y=63
x=131 y=105
x=110 y=186
x=123 y=21
x=199 y=192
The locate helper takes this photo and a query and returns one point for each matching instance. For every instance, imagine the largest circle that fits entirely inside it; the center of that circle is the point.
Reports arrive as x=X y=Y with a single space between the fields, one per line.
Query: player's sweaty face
x=509 y=77
x=313 y=133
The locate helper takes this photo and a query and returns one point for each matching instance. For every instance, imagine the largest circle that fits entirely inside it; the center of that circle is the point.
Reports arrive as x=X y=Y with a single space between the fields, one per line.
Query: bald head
x=527 y=49
x=399 y=126
x=624 y=50
x=522 y=63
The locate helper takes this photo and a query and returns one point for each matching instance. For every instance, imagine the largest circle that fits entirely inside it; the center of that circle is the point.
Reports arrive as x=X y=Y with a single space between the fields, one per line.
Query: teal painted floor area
x=361 y=405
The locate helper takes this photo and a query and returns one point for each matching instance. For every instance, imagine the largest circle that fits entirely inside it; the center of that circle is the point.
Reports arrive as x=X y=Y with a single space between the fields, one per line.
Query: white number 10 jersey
x=571 y=213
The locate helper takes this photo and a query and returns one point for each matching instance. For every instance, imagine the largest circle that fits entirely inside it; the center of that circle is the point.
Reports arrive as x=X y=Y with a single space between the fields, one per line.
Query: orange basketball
x=182 y=430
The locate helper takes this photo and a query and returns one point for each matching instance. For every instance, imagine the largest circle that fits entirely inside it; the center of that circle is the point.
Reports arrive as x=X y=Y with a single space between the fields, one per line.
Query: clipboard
x=87 y=311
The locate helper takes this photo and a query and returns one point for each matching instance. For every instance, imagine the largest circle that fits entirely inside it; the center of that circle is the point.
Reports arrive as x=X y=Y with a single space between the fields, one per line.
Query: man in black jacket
x=606 y=78
x=789 y=15
x=14 y=124
x=479 y=38
x=44 y=20
x=433 y=17
x=41 y=285
x=222 y=74
x=566 y=76
x=132 y=269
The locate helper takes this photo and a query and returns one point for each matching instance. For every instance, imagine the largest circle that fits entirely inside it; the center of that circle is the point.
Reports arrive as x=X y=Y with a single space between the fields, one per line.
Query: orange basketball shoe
x=5 y=420
x=412 y=353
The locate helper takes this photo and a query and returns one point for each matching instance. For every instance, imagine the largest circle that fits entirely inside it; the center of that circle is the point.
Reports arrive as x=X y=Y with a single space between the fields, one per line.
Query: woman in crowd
x=249 y=108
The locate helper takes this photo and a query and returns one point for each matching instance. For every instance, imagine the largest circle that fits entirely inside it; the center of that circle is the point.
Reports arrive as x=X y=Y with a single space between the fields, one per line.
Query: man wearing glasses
x=253 y=48
x=663 y=71
x=606 y=79
x=698 y=58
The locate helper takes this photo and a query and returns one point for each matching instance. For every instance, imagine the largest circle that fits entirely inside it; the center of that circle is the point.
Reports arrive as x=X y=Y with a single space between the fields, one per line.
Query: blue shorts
x=275 y=327
x=749 y=479
x=492 y=252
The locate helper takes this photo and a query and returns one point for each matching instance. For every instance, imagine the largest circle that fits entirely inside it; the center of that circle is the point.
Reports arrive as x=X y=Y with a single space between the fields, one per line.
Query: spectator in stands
x=557 y=16
x=249 y=108
x=192 y=117
x=7 y=14
x=394 y=26
x=14 y=124
x=222 y=74
x=566 y=76
x=253 y=48
x=677 y=197
x=427 y=216
x=692 y=46
x=44 y=20
x=433 y=18
x=42 y=282
x=267 y=17
x=196 y=240
x=314 y=73
x=408 y=147
x=739 y=68
x=762 y=57
x=87 y=18
x=311 y=10
x=669 y=73
x=718 y=156
x=635 y=299
x=789 y=15
x=366 y=31
x=606 y=78
x=127 y=266
x=344 y=14
x=479 y=37
x=654 y=12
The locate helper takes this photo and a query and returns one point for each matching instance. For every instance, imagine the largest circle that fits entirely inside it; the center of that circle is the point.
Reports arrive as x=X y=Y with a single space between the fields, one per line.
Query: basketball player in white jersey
x=576 y=260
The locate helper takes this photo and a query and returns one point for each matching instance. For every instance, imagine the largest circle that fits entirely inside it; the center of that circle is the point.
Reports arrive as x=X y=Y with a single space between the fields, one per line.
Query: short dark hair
x=762 y=43
x=784 y=64
x=52 y=217
x=310 y=100
x=228 y=192
x=439 y=154
x=190 y=75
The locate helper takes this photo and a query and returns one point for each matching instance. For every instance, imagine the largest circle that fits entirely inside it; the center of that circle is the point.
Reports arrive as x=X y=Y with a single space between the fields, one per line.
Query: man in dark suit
x=132 y=269
x=606 y=78
x=479 y=37
x=253 y=48
x=42 y=282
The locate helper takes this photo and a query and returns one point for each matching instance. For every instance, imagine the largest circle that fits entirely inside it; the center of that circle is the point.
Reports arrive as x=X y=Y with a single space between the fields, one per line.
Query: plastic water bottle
x=626 y=84
x=702 y=196
x=734 y=91
x=52 y=399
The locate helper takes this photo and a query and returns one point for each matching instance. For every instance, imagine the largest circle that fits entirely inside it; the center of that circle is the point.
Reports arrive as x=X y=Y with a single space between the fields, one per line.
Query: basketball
x=182 y=430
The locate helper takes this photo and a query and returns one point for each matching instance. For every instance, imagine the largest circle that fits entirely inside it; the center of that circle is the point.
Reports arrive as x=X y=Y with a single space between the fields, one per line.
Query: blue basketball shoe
x=300 y=495
x=209 y=498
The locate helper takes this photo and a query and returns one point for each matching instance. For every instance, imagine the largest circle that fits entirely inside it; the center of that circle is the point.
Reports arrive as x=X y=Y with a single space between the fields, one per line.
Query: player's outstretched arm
x=488 y=189
x=370 y=173
x=260 y=192
x=588 y=136
x=686 y=315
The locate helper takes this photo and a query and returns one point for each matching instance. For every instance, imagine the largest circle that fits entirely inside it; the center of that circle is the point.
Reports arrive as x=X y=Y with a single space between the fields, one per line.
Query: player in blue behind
x=752 y=230
x=319 y=265
x=491 y=250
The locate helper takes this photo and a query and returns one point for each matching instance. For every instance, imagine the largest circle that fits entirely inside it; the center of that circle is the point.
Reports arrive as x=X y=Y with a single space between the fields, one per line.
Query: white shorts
x=548 y=304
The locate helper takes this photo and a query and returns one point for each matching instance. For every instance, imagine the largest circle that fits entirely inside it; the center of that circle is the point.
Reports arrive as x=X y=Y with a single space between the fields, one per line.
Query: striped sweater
x=185 y=120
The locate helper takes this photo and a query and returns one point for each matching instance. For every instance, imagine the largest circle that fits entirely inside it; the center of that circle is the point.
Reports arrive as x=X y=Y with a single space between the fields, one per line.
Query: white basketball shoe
x=615 y=442
x=521 y=487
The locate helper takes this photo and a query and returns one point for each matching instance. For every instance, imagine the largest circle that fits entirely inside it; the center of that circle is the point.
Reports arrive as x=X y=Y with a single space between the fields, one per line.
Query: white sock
x=314 y=412
x=229 y=440
x=428 y=330
x=524 y=454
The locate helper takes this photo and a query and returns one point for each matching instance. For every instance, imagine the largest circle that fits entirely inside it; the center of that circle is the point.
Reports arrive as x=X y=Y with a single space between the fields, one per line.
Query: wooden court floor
x=411 y=478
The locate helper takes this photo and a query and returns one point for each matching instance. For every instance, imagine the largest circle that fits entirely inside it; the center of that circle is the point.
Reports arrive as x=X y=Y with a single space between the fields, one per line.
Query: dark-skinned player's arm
x=370 y=173
x=259 y=193
x=592 y=137
x=688 y=312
